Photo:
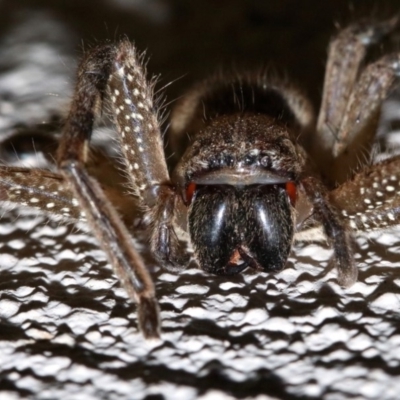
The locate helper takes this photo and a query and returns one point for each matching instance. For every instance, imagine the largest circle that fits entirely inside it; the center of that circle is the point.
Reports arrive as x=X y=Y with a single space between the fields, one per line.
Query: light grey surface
x=67 y=330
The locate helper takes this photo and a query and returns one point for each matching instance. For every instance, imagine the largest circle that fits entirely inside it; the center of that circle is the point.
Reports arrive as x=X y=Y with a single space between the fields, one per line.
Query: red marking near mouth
x=191 y=188
x=291 y=190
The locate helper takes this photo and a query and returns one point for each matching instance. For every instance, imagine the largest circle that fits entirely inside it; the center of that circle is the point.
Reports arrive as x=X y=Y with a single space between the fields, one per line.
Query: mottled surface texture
x=66 y=327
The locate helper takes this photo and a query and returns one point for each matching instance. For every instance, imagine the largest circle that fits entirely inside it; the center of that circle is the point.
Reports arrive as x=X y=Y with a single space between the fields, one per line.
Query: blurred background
x=184 y=40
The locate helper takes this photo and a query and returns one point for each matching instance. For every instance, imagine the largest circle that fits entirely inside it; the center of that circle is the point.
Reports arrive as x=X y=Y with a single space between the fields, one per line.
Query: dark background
x=186 y=40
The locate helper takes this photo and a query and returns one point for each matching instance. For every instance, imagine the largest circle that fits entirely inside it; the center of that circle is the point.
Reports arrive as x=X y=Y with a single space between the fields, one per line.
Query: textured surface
x=67 y=331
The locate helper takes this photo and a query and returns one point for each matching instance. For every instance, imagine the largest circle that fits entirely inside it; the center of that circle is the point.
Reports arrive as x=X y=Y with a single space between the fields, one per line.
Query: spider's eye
x=190 y=189
x=291 y=190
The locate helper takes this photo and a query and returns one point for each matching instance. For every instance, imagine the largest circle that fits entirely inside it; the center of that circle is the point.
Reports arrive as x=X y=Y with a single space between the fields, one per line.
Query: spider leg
x=335 y=229
x=113 y=70
x=371 y=200
x=360 y=122
x=117 y=71
x=341 y=93
x=39 y=189
x=143 y=154
x=93 y=76
x=46 y=191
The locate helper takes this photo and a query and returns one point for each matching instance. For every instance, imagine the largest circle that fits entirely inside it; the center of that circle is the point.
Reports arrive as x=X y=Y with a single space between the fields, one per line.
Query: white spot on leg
x=121 y=72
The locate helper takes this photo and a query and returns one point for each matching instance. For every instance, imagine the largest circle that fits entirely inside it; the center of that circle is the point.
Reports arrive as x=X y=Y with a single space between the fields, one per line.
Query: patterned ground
x=67 y=330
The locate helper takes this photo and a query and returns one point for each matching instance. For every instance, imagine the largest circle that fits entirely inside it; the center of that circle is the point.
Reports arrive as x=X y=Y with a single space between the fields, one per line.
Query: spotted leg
x=350 y=104
x=117 y=71
x=46 y=191
x=142 y=147
x=93 y=78
x=371 y=200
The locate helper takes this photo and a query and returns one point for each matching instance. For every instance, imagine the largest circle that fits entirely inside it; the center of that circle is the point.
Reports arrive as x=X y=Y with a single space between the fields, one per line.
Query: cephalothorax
x=255 y=170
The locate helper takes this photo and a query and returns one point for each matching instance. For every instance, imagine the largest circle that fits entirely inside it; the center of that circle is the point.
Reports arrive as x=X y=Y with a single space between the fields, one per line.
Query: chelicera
x=254 y=169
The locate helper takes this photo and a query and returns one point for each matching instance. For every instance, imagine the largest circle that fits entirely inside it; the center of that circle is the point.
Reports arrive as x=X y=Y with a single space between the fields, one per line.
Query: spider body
x=255 y=171
x=238 y=165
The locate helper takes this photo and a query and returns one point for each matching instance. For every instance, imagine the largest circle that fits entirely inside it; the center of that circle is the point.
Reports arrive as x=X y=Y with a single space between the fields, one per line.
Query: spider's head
x=233 y=227
x=240 y=193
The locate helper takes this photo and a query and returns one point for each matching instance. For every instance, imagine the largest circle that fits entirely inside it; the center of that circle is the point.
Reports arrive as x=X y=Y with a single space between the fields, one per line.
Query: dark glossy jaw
x=233 y=228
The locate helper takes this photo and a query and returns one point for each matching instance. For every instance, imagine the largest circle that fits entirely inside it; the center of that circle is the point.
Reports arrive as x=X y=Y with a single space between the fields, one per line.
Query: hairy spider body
x=240 y=163
x=255 y=171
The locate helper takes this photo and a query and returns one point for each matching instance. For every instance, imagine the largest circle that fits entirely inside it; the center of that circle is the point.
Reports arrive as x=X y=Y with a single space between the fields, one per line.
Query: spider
x=256 y=170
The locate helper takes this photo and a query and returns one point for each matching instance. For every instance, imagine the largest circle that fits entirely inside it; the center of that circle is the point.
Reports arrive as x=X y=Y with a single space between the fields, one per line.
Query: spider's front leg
x=143 y=154
x=117 y=71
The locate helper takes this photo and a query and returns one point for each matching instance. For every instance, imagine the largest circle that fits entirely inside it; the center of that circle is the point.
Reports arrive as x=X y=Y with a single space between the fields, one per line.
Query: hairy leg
x=371 y=200
x=343 y=96
x=335 y=229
